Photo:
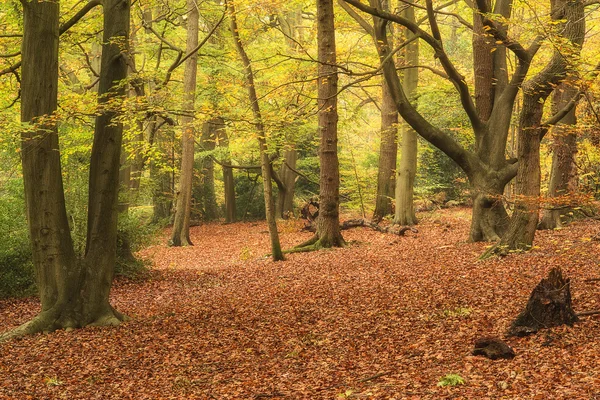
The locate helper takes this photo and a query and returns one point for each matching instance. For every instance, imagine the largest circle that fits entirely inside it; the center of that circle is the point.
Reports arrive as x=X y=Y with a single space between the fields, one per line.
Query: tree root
x=357 y=223
x=53 y=319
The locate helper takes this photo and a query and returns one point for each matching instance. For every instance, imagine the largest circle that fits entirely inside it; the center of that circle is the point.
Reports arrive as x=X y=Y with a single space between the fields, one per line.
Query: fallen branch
x=592 y=280
x=588 y=313
x=379 y=375
x=357 y=223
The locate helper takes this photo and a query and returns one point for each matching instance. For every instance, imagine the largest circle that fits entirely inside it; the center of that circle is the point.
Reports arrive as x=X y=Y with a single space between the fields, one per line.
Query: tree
x=265 y=161
x=563 y=175
x=181 y=225
x=73 y=294
x=486 y=166
x=328 y=223
x=405 y=180
x=388 y=148
x=570 y=21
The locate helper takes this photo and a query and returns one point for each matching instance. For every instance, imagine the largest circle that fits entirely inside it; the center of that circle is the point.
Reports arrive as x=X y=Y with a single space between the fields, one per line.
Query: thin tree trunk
x=277 y=253
x=210 y=131
x=285 y=200
x=181 y=225
x=388 y=149
x=405 y=208
x=228 y=182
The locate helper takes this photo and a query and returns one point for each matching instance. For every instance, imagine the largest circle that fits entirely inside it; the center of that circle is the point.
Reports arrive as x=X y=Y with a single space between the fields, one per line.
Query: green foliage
x=436 y=172
x=451 y=380
x=457 y=312
x=249 y=197
x=16 y=271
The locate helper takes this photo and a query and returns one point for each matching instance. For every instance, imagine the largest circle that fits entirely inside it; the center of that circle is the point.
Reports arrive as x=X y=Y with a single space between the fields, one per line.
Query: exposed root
x=52 y=320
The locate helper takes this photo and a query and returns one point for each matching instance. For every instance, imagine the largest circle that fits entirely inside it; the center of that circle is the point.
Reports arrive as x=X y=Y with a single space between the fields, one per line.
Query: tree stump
x=549 y=305
x=493 y=348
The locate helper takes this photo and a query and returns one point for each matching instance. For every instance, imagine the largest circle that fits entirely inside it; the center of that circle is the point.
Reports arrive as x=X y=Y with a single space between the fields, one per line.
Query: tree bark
x=328 y=222
x=72 y=294
x=53 y=255
x=266 y=166
x=228 y=182
x=524 y=220
x=210 y=131
x=563 y=175
x=181 y=226
x=549 y=305
x=285 y=201
x=405 y=182
x=388 y=150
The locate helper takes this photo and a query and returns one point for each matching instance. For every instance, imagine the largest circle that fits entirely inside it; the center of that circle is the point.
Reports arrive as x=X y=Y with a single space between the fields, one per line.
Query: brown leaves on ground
x=384 y=318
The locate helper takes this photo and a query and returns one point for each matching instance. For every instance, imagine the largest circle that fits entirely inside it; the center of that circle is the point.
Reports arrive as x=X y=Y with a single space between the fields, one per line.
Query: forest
x=299 y=199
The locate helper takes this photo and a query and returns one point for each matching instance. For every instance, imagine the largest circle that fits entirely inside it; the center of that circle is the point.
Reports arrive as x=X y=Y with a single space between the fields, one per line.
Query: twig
x=372 y=377
x=588 y=313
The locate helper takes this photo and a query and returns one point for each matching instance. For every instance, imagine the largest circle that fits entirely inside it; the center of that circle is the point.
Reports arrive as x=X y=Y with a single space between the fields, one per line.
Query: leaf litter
x=385 y=318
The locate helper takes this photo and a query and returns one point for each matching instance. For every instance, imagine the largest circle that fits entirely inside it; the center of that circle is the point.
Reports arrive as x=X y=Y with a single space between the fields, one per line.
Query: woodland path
x=384 y=318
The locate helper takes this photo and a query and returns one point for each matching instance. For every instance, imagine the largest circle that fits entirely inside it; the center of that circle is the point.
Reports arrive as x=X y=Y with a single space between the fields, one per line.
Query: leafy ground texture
x=387 y=317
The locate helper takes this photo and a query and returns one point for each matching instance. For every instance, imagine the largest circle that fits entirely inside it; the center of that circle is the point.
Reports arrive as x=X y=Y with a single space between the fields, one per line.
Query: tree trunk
x=563 y=175
x=388 y=150
x=524 y=220
x=72 y=295
x=181 y=226
x=483 y=67
x=228 y=182
x=54 y=259
x=210 y=130
x=265 y=163
x=285 y=201
x=328 y=222
x=405 y=207
x=101 y=242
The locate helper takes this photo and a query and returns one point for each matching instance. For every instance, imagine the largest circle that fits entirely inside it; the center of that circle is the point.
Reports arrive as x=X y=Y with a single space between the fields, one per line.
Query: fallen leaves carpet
x=384 y=318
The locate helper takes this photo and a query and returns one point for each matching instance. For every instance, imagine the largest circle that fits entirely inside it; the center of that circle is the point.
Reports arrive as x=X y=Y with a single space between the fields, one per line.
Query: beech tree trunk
x=72 y=294
x=328 y=222
x=407 y=170
x=181 y=225
x=266 y=166
x=524 y=220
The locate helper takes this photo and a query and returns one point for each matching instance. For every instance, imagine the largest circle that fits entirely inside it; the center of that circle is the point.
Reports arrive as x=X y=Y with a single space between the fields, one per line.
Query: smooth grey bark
x=181 y=225
x=265 y=162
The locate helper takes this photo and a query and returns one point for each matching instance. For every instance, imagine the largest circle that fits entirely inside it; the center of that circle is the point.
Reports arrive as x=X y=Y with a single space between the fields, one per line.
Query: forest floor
x=384 y=318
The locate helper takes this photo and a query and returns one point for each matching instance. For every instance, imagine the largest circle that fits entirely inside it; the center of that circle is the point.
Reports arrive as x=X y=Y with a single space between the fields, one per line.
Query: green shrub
x=16 y=266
